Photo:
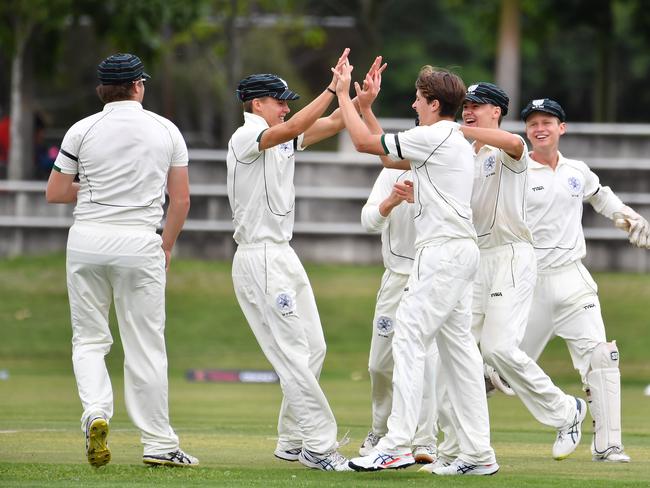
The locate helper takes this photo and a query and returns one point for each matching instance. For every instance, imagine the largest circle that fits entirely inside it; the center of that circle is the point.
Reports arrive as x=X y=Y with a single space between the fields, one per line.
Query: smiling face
x=544 y=130
x=271 y=109
x=428 y=112
x=481 y=114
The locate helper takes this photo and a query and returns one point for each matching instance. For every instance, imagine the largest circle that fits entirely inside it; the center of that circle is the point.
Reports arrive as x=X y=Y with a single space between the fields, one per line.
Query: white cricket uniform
x=565 y=302
x=503 y=290
x=398 y=251
x=272 y=287
x=437 y=302
x=122 y=156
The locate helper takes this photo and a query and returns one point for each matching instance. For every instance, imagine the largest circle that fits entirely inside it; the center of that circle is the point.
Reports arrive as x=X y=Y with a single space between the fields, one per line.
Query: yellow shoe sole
x=98 y=452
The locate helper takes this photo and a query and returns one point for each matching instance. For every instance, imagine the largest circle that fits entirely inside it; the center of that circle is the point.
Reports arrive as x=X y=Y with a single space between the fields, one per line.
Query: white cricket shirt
x=442 y=162
x=260 y=184
x=122 y=155
x=499 y=197
x=397 y=229
x=554 y=209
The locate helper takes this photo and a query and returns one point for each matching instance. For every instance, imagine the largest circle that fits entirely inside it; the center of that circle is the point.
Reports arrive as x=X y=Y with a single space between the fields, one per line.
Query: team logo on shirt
x=285 y=304
x=384 y=325
x=574 y=185
x=286 y=148
x=489 y=165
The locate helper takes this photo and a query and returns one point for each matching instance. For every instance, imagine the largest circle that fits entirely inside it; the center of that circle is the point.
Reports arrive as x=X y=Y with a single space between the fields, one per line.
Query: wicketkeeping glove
x=495 y=382
x=637 y=228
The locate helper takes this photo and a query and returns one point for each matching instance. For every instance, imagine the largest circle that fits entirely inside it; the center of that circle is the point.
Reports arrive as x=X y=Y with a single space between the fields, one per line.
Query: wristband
x=330 y=90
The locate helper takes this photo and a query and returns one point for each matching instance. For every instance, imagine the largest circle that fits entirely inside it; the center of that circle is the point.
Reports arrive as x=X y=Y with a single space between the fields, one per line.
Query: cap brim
x=475 y=98
x=287 y=95
x=545 y=110
x=146 y=76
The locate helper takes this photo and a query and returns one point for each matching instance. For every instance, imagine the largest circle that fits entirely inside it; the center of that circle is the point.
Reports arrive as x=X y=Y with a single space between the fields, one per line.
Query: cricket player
x=566 y=302
x=125 y=158
x=436 y=302
x=270 y=283
x=389 y=211
x=503 y=289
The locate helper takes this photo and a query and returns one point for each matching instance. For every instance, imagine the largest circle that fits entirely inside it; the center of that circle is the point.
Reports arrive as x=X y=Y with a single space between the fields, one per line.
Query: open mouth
x=470 y=121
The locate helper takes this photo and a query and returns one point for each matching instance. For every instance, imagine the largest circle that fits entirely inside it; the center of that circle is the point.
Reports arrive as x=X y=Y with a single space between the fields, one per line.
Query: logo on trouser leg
x=384 y=325
x=286 y=304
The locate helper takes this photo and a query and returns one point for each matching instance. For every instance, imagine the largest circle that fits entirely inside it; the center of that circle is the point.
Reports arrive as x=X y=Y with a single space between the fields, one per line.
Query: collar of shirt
x=484 y=148
x=450 y=124
x=254 y=119
x=123 y=104
x=535 y=165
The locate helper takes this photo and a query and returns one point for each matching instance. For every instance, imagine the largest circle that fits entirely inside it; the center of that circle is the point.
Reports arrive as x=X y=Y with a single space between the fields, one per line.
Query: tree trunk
x=231 y=112
x=21 y=115
x=508 y=69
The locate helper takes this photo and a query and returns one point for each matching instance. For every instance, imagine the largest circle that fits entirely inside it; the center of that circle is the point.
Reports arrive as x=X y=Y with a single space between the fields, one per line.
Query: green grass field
x=231 y=427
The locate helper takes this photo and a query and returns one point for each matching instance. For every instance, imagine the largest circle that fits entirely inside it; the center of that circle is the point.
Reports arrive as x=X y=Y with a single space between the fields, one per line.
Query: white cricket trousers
x=275 y=295
x=503 y=293
x=125 y=264
x=566 y=304
x=380 y=364
x=437 y=306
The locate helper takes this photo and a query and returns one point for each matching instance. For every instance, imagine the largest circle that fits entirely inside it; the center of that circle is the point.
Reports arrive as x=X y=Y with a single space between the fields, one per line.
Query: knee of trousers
x=498 y=357
x=379 y=372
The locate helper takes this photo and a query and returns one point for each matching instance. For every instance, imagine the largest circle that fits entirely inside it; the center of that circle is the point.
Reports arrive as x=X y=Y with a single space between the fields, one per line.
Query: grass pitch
x=232 y=427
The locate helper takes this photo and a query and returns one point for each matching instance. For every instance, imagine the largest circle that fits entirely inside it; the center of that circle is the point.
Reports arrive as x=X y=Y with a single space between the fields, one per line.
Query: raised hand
x=404 y=191
x=367 y=93
x=343 y=75
x=342 y=59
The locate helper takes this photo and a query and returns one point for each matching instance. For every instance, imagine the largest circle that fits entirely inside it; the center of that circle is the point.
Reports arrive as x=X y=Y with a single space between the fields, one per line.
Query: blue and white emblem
x=574 y=184
x=286 y=148
x=384 y=325
x=285 y=304
x=489 y=166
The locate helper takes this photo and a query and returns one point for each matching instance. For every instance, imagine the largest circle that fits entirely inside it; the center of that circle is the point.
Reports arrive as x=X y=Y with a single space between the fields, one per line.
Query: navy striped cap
x=485 y=92
x=264 y=85
x=544 y=105
x=121 y=68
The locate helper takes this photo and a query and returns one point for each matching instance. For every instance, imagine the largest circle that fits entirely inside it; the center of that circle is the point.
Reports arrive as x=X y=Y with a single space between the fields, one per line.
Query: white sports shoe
x=369 y=443
x=173 y=458
x=614 y=454
x=568 y=438
x=459 y=468
x=438 y=463
x=287 y=454
x=97 y=449
x=425 y=454
x=332 y=461
x=380 y=460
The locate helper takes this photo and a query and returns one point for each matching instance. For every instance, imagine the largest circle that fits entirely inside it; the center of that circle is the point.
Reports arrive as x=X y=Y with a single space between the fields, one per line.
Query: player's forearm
x=371 y=219
x=605 y=202
x=361 y=137
x=176 y=215
x=306 y=117
x=510 y=143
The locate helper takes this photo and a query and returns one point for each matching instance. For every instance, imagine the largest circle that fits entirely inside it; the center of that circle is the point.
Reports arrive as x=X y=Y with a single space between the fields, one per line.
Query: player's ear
x=562 y=128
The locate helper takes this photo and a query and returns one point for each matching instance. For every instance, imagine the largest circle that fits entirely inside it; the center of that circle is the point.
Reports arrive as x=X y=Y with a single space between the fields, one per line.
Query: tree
x=20 y=23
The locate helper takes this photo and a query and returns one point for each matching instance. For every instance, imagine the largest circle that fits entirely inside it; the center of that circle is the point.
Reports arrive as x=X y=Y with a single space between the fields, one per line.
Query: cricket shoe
x=459 y=468
x=97 y=449
x=614 y=454
x=332 y=461
x=440 y=462
x=369 y=443
x=380 y=460
x=288 y=454
x=569 y=437
x=173 y=458
x=425 y=454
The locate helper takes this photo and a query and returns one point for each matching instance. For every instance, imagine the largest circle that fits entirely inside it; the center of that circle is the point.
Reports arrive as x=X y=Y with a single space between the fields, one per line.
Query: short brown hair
x=115 y=93
x=248 y=106
x=442 y=85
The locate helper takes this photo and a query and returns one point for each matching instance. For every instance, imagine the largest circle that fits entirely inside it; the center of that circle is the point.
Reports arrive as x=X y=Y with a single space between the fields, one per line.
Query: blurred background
x=592 y=56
